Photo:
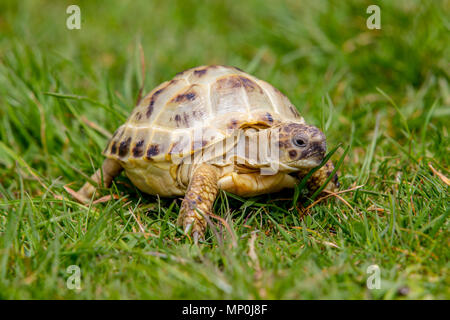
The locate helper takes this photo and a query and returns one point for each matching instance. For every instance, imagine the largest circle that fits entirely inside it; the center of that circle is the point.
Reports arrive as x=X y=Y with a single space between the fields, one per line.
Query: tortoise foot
x=193 y=224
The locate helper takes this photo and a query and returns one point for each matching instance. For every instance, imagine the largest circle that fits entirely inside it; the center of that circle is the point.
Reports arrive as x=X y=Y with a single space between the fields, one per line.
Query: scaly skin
x=111 y=168
x=198 y=201
x=318 y=178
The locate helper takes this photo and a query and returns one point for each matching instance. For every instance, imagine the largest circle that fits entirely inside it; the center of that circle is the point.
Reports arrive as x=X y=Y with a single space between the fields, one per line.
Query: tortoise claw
x=197 y=236
x=187 y=228
x=190 y=228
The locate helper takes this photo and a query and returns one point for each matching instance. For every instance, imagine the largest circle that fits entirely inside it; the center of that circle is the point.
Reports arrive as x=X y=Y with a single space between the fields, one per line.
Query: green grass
x=383 y=94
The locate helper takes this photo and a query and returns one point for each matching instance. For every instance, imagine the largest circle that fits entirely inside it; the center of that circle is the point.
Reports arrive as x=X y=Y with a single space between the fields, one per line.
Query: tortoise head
x=301 y=145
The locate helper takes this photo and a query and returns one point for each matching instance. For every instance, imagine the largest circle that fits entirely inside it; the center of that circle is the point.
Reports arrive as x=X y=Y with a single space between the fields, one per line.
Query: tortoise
x=208 y=129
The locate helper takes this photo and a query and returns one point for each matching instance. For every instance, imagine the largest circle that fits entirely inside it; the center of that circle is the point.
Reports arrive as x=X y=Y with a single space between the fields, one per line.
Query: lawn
x=381 y=95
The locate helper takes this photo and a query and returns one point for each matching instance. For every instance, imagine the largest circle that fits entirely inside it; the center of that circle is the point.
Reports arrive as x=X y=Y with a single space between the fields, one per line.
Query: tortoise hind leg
x=198 y=201
x=109 y=170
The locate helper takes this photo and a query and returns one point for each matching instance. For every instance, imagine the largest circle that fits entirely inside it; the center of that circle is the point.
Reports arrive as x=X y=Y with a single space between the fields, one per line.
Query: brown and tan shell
x=215 y=99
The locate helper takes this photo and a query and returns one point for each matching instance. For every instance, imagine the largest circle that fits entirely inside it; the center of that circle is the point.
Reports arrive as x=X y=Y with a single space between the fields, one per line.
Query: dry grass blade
x=141 y=228
x=108 y=198
x=440 y=175
x=142 y=58
x=251 y=250
x=103 y=199
x=327 y=243
x=335 y=194
x=96 y=127
x=227 y=226
x=256 y=265
x=217 y=234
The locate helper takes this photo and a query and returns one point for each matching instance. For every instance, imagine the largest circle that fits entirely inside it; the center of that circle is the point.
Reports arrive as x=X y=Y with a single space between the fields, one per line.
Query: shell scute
x=124 y=146
x=188 y=108
x=159 y=143
x=226 y=96
x=153 y=150
x=138 y=149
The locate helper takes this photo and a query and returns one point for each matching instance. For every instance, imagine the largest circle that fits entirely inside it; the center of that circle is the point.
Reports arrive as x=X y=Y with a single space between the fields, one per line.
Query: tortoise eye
x=299 y=141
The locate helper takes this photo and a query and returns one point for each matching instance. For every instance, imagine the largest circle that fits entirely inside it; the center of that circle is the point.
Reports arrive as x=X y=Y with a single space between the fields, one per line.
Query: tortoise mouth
x=309 y=163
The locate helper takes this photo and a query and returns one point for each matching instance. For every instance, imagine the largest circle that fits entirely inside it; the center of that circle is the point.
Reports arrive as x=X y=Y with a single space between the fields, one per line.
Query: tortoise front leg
x=198 y=201
x=111 y=168
x=318 y=179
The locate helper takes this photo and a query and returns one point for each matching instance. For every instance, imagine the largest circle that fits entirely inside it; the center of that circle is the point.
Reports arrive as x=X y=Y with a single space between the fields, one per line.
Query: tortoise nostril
x=323 y=148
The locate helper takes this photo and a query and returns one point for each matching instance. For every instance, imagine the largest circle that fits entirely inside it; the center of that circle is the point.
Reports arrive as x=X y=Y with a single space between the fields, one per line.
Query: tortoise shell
x=215 y=100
